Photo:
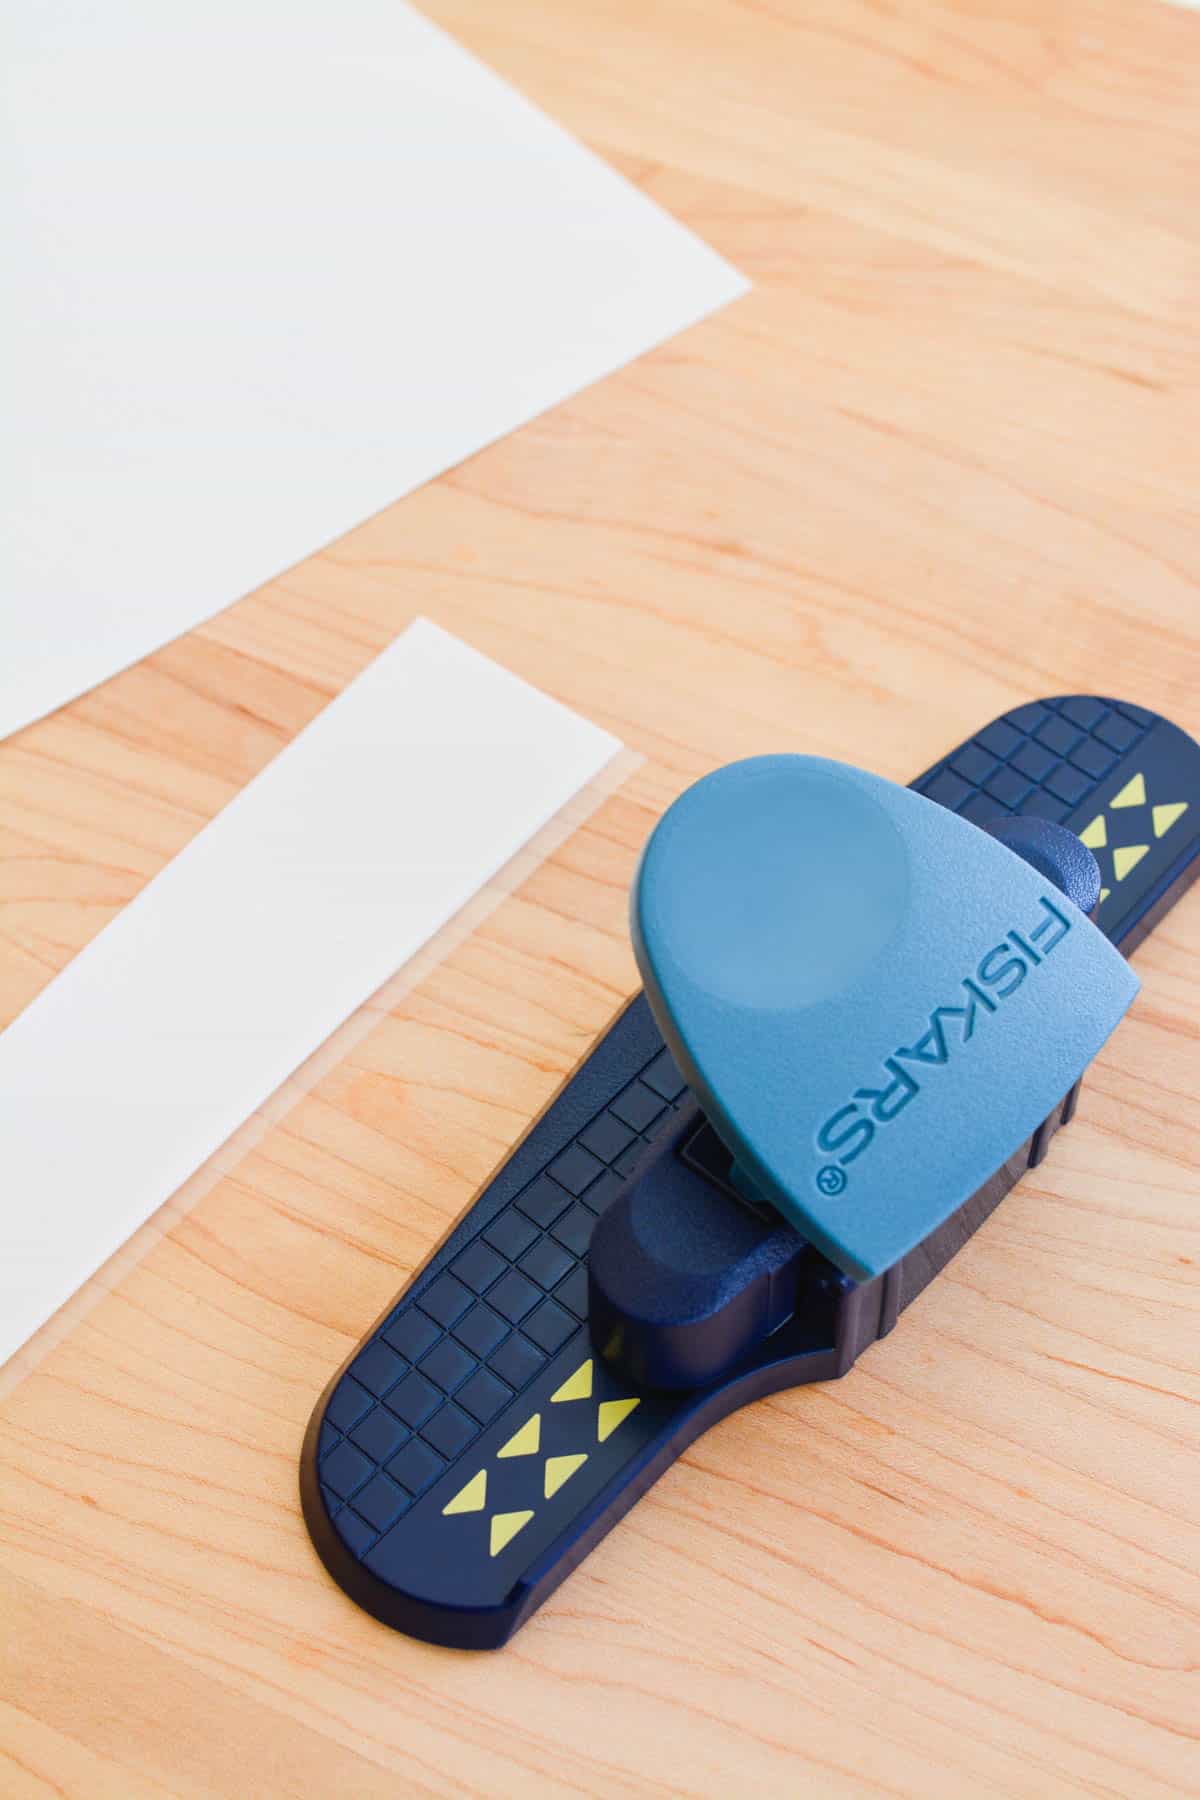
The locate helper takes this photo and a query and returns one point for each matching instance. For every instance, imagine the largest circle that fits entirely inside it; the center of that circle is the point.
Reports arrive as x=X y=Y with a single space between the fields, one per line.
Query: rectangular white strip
x=269 y=265
x=318 y=881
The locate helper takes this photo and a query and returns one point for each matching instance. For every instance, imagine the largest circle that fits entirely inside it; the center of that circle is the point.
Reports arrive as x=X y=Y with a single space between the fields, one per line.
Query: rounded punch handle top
x=873 y=1000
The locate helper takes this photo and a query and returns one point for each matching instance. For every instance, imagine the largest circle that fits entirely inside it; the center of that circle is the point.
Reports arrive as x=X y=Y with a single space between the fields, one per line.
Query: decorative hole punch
x=867 y=1011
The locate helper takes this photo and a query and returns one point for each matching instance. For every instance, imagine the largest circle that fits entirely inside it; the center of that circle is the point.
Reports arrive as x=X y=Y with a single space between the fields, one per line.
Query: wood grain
x=943 y=458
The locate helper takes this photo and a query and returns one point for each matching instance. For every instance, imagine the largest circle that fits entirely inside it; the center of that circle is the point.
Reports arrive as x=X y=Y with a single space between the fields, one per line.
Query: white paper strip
x=295 y=904
x=269 y=265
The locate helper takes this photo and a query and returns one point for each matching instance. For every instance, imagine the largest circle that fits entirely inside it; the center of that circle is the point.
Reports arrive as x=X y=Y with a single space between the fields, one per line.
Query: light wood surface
x=942 y=459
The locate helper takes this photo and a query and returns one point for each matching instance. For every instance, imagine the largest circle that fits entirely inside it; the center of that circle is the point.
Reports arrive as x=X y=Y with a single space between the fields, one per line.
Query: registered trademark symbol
x=831 y=1180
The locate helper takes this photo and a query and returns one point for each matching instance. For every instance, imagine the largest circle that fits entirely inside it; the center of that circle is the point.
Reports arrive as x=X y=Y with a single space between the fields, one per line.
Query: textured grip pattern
x=1043 y=761
x=456 y=1351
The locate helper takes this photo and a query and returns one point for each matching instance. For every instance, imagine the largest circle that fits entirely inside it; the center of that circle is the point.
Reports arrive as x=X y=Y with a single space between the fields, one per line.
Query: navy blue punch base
x=686 y=1229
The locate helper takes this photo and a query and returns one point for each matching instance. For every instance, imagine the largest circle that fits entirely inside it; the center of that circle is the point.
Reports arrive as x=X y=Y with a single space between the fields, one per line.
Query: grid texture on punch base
x=1039 y=761
x=455 y=1352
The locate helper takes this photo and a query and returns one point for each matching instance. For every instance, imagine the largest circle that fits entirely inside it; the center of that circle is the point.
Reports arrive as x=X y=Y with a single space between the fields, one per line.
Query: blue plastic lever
x=874 y=1001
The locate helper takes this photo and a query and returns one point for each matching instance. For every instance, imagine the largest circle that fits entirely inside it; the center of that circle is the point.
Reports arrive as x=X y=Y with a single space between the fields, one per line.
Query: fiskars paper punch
x=867 y=1011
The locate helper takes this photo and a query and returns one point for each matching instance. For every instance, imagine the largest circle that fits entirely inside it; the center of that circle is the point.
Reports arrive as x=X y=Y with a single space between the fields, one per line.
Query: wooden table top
x=941 y=460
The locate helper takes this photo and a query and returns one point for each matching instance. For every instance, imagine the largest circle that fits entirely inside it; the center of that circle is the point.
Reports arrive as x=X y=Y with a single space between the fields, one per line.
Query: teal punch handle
x=873 y=1000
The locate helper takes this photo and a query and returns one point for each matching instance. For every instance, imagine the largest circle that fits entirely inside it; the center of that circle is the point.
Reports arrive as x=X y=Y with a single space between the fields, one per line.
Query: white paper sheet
x=269 y=265
x=318 y=881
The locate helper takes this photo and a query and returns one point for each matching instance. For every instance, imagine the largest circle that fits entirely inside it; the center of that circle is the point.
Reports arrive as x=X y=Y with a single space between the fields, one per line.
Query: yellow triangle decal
x=611 y=1413
x=505 y=1527
x=472 y=1498
x=1104 y=893
x=1132 y=794
x=526 y=1441
x=560 y=1469
x=1096 y=835
x=1128 y=857
x=1165 y=816
x=577 y=1386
